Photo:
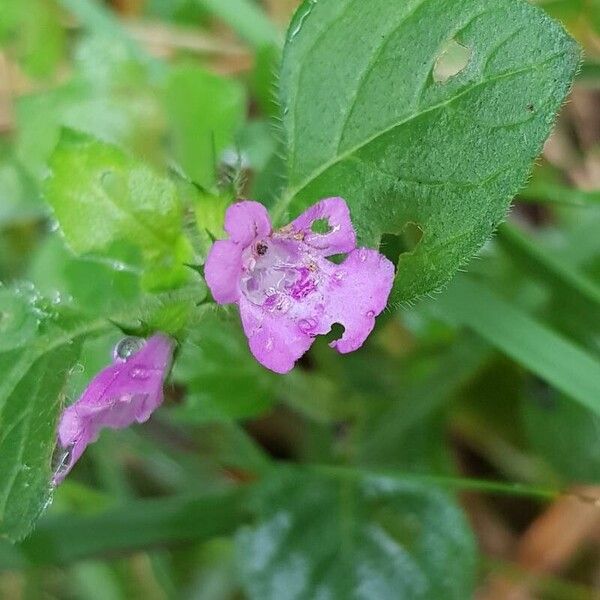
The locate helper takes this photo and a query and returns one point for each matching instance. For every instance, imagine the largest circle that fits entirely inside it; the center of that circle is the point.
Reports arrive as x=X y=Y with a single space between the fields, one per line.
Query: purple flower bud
x=127 y=391
x=286 y=289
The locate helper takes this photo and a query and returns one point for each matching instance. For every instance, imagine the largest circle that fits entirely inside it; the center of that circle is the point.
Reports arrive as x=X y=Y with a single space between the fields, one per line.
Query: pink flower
x=127 y=391
x=286 y=289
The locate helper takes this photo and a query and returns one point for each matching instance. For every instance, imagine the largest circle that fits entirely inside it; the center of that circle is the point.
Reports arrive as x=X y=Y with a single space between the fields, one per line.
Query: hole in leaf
x=321 y=226
x=393 y=245
x=452 y=60
x=412 y=234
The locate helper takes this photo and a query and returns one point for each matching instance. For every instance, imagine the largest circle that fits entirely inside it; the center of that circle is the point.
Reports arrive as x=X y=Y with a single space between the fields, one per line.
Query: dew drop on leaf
x=60 y=462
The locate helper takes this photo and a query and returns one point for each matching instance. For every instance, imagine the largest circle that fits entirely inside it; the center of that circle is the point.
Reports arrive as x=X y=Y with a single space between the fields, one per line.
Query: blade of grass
x=532 y=344
x=543 y=265
x=589 y=74
x=246 y=19
x=140 y=524
x=451 y=483
x=556 y=193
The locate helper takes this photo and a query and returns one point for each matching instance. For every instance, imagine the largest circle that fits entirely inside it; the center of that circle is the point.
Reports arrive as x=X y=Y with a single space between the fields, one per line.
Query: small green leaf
x=34 y=371
x=101 y=196
x=366 y=119
x=369 y=537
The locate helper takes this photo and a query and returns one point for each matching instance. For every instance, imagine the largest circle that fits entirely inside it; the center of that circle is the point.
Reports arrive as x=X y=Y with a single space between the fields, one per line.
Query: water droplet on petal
x=127 y=347
x=269 y=344
x=371 y=313
x=362 y=255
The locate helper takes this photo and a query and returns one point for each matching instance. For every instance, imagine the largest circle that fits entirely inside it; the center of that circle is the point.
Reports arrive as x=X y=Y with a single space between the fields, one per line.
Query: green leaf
x=40 y=344
x=56 y=272
x=222 y=379
x=371 y=537
x=532 y=344
x=366 y=119
x=205 y=112
x=101 y=196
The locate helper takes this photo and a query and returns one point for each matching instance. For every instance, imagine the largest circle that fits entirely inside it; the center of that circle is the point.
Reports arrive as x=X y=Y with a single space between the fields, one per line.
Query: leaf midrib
x=338 y=158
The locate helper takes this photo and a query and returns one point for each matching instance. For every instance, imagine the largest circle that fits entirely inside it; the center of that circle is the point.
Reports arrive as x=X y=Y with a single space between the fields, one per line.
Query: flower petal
x=356 y=294
x=118 y=396
x=246 y=221
x=340 y=238
x=223 y=269
x=274 y=339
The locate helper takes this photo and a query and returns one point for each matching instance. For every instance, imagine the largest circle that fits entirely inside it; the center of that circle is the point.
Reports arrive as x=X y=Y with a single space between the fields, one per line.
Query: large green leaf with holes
x=39 y=343
x=355 y=538
x=421 y=112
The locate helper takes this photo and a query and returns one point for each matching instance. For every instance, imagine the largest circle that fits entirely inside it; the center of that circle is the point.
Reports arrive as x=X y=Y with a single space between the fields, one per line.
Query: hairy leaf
x=40 y=345
x=409 y=130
